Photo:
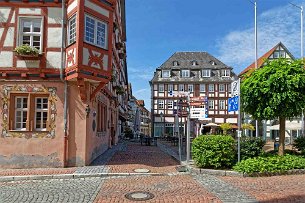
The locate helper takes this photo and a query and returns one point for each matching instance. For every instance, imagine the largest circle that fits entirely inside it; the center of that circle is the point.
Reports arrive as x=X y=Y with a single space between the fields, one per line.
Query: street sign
x=233 y=104
x=235 y=88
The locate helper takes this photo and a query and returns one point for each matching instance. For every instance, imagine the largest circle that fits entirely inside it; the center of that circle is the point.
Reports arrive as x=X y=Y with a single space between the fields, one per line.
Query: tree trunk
x=282 y=136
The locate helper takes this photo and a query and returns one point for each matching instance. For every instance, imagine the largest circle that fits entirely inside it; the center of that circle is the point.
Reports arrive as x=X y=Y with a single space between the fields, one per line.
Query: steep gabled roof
x=185 y=59
x=262 y=59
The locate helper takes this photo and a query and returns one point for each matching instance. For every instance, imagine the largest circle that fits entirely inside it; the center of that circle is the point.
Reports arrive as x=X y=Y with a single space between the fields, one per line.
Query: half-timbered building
x=199 y=75
x=63 y=100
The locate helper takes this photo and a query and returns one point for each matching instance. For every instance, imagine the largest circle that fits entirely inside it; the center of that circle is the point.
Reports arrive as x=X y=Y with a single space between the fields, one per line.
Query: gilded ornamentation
x=28 y=89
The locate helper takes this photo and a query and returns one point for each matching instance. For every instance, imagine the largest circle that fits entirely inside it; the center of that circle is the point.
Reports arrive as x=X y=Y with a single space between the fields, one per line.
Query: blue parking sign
x=233 y=104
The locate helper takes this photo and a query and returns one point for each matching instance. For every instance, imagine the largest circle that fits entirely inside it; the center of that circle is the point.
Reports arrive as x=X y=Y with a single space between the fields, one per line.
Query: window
x=21 y=113
x=95 y=32
x=190 y=88
x=211 y=87
x=194 y=63
x=31 y=32
x=221 y=87
x=161 y=87
x=206 y=73
x=229 y=88
x=161 y=104
x=101 y=117
x=185 y=73
x=211 y=104
x=181 y=87
x=222 y=105
x=41 y=113
x=170 y=104
x=175 y=63
x=202 y=87
x=166 y=74
x=225 y=73
x=72 y=30
x=170 y=87
x=29 y=112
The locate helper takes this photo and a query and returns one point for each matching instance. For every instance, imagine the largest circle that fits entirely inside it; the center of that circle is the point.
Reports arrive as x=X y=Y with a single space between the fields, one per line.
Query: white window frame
x=185 y=73
x=222 y=88
x=170 y=87
x=161 y=104
x=202 y=88
x=175 y=63
x=222 y=104
x=225 y=73
x=170 y=104
x=164 y=75
x=206 y=73
x=31 y=34
x=211 y=104
x=181 y=87
x=42 y=110
x=211 y=87
x=22 y=110
x=161 y=88
x=190 y=88
x=72 y=31
x=96 y=21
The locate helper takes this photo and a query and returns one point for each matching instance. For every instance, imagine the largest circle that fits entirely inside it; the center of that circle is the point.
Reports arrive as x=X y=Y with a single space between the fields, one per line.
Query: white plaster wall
x=169 y=119
x=231 y=120
x=105 y=62
x=96 y=8
x=28 y=63
x=29 y=11
x=4 y=12
x=54 y=37
x=53 y=59
x=54 y=15
x=9 y=39
x=219 y=120
x=72 y=6
x=6 y=59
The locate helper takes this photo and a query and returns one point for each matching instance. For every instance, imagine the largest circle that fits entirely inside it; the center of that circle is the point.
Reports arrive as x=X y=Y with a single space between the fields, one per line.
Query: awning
x=211 y=125
x=289 y=126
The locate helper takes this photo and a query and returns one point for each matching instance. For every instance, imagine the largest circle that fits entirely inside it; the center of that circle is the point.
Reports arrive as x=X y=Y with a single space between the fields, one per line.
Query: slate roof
x=262 y=59
x=203 y=61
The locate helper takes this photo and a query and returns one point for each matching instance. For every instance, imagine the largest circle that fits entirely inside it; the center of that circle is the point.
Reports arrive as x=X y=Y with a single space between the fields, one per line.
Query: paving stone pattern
x=99 y=164
x=63 y=191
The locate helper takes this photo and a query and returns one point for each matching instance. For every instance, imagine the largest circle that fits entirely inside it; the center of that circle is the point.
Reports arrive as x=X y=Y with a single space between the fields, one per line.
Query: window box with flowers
x=119 y=90
x=27 y=51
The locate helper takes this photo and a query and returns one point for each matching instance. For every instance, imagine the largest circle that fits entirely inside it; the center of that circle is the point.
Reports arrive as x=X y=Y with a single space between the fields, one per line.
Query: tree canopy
x=275 y=90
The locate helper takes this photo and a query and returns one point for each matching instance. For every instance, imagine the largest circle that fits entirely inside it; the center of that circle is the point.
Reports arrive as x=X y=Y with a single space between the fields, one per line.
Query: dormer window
x=206 y=73
x=185 y=73
x=225 y=73
x=175 y=63
x=212 y=63
x=166 y=73
x=194 y=63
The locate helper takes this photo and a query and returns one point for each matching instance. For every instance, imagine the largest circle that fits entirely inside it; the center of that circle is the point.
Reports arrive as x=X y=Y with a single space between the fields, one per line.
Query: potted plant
x=26 y=51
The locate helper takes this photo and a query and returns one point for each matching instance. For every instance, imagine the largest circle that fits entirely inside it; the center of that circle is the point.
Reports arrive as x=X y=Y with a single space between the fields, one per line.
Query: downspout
x=63 y=62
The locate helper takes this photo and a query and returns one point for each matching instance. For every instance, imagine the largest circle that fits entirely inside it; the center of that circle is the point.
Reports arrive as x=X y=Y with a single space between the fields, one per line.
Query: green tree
x=247 y=126
x=225 y=127
x=276 y=90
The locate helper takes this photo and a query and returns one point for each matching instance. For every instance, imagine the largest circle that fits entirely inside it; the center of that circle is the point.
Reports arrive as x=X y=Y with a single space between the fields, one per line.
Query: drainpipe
x=63 y=61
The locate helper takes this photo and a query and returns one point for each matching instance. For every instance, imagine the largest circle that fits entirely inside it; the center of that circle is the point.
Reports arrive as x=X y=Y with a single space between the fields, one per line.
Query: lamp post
x=302 y=57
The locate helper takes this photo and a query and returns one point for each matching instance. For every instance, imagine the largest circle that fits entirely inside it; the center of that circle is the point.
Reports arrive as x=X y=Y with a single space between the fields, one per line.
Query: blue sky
x=224 y=28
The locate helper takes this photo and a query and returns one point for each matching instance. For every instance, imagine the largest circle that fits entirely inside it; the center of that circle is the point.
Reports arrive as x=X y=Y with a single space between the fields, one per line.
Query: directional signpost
x=234 y=105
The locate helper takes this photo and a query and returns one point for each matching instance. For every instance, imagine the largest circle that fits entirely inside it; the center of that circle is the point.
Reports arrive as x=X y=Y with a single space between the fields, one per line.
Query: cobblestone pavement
x=36 y=171
x=137 y=156
x=74 y=190
x=280 y=189
x=179 y=188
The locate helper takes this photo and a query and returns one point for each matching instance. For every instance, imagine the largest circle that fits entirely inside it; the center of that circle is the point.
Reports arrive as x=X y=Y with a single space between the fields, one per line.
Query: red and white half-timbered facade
x=65 y=104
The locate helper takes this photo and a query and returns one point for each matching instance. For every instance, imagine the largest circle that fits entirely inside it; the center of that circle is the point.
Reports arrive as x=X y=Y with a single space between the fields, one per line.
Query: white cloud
x=236 y=49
